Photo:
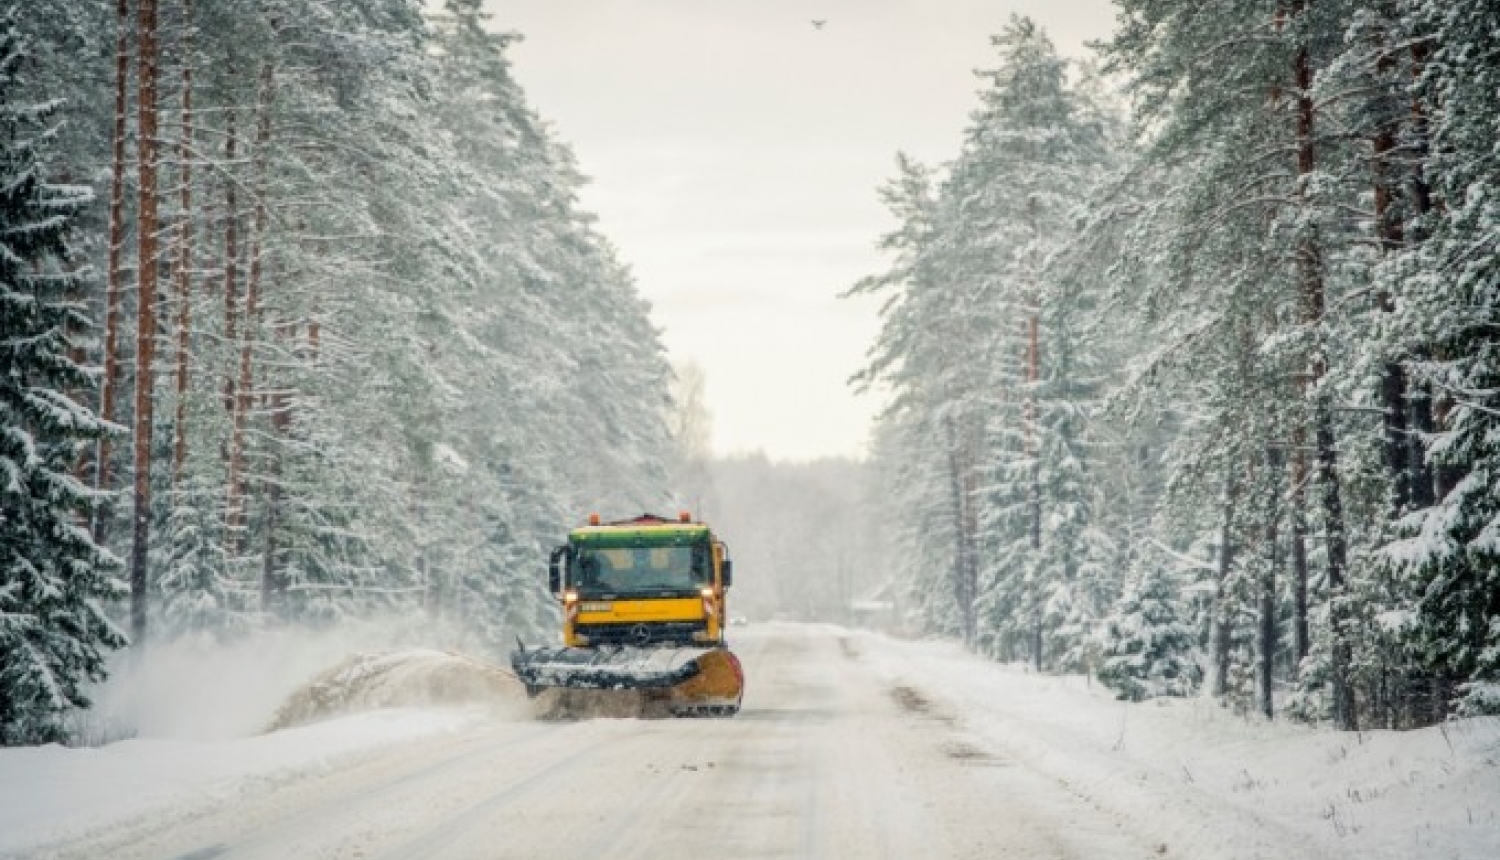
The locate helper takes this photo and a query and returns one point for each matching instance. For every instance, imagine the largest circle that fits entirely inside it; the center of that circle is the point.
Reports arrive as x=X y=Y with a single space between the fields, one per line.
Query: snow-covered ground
x=52 y=793
x=1214 y=784
x=850 y=745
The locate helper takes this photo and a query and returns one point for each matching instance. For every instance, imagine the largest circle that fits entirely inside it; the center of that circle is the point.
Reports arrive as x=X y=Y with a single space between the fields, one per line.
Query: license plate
x=594 y=606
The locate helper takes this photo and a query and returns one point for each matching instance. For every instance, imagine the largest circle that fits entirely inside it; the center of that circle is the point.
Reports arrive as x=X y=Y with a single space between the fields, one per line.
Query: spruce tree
x=54 y=631
x=1452 y=552
x=1149 y=643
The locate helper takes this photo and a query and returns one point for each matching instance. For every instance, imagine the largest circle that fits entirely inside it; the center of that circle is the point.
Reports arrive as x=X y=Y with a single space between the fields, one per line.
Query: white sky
x=735 y=153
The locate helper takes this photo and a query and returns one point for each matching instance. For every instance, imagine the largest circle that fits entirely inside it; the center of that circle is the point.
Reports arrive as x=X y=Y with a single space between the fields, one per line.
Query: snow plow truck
x=643 y=618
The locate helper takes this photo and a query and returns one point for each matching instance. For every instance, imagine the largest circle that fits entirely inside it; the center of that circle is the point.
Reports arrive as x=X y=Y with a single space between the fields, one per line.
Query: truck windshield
x=642 y=570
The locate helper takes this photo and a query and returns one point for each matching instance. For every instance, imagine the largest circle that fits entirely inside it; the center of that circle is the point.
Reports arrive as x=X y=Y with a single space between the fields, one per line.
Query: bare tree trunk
x=1032 y=447
x=272 y=584
x=235 y=509
x=1391 y=234
x=116 y=249
x=1424 y=482
x=1032 y=432
x=1301 y=630
x=1266 y=638
x=184 y=248
x=1421 y=188
x=1033 y=373
x=970 y=529
x=145 y=347
x=1301 y=634
x=962 y=595
x=231 y=254
x=1344 y=714
x=1222 y=623
x=1423 y=494
x=1310 y=274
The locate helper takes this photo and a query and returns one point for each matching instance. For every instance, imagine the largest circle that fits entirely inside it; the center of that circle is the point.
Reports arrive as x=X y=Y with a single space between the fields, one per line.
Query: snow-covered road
x=849 y=746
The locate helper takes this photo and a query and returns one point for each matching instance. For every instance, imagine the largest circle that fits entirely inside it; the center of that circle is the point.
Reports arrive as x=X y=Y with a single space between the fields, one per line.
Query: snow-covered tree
x=54 y=627
x=1452 y=290
x=991 y=369
x=1149 y=645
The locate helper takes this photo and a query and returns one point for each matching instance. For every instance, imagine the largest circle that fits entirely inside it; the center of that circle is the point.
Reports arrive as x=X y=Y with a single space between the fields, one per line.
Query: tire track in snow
x=348 y=801
x=168 y=832
x=455 y=827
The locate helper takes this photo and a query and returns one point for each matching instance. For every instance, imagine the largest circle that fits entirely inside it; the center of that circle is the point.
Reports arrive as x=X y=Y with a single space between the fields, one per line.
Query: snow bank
x=1210 y=783
x=50 y=793
x=195 y=688
x=196 y=712
x=404 y=678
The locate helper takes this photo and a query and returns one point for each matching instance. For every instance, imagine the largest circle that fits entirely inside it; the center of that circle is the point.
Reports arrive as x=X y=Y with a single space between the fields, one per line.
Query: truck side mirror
x=557 y=570
x=728 y=572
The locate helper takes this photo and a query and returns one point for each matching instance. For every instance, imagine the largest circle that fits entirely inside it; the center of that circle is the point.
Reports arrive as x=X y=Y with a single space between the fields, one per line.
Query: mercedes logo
x=640 y=634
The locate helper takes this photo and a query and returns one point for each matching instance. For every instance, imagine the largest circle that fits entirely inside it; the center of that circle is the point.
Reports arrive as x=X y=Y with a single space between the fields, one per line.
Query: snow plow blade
x=614 y=682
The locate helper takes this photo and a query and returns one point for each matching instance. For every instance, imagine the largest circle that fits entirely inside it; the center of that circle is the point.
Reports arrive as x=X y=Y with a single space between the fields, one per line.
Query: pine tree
x=1035 y=148
x=920 y=355
x=54 y=630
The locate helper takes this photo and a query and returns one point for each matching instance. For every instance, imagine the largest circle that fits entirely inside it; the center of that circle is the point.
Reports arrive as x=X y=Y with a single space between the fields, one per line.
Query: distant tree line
x=299 y=320
x=1212 y=394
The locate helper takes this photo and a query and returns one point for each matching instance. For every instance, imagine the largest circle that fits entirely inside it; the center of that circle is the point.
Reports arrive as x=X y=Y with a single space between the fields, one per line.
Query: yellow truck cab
x=642 y=582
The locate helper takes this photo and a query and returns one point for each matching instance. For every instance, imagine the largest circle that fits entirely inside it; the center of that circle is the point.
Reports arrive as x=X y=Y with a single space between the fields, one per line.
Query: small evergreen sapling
x=1149 y=645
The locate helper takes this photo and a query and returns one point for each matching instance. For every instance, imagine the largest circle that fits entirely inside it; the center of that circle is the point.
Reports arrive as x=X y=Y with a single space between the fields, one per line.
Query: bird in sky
x=818 y=25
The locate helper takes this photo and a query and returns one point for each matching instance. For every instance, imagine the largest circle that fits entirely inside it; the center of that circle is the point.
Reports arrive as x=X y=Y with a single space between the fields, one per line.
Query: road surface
x=829 y=758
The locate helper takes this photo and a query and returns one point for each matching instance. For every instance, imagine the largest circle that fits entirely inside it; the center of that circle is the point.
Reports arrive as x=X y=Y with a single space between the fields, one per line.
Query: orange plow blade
x=715 y=691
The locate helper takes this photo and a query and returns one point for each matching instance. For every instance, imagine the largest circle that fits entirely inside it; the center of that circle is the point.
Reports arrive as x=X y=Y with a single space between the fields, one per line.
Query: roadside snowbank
x=196 y=688
x=52 y=792
x=1210 y=783
x=413 y=678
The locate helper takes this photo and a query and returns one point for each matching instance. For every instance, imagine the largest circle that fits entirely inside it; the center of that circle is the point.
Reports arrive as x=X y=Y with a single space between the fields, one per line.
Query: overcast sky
x=735 y=152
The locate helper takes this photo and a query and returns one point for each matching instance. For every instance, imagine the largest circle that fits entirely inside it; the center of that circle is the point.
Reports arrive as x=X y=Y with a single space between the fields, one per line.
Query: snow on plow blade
x=685 y=681
x=600 y=669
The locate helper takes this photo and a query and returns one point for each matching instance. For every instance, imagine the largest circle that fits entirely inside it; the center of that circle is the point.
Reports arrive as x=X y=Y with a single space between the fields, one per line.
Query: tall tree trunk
x=1421 y=187
x=231 y=254
x=1344 y=714
x=970 y=568
x=235 y=509
x=1031 y=417
x=272 y=584
x=1222 y=622
x=1298 y=504
x=145 y=347
x=1422 y=492
x=1310 y=275
x=1266 y=634
x=1033 y=373
x=1390 y=232
x=1423 y=483
x=113 y=289
x=1034 y=491
x=1301 y=632
x=184 y=248
x=962 y=595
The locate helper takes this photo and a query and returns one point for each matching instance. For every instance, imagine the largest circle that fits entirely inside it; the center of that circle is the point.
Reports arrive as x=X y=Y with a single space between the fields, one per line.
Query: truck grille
x=657 y=632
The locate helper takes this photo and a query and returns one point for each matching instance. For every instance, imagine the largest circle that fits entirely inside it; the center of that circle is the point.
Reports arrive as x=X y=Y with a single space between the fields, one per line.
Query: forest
x=1189 y=351
x=1192 y=357
x=300 y=321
